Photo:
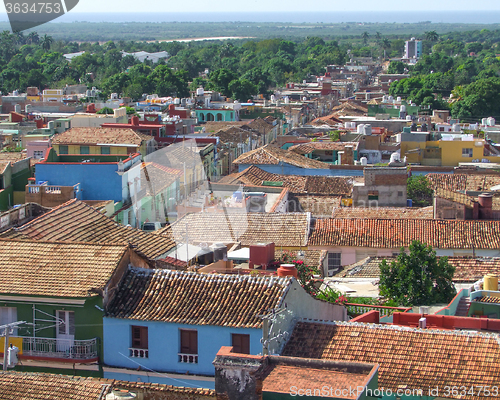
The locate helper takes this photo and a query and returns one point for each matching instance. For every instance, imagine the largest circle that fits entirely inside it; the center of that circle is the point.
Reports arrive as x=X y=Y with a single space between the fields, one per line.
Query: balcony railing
x=188 y=358
x=60 y=348
x=138 y=353
x=359 y=309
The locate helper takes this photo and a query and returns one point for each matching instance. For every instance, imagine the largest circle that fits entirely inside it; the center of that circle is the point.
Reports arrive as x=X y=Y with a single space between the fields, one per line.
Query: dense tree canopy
x=417 y=278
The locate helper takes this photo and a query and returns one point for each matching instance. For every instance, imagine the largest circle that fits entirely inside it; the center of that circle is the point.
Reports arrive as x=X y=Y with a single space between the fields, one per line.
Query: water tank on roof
x=88 y=93
x=364 y=161
x=15 y=93
x=347 y=125
x=200 y=91
x=273 y=98
x=28 y=108
x=402 y=108
x=353 y=125
x=484 y=121
x=304 y=82
x=390 y=99
x=17 y=108
x=398 y=99
x=205 y=256
x=384 y=98
x=287 y=100
x=114 y=96
x=220 y=251
x=304 y=98
x=491 y=121
x=50 y=125
x=456 y=128
x=409 y=118
x=177 y=101
x=368 y=129
x=490 y=282
x=361 y=129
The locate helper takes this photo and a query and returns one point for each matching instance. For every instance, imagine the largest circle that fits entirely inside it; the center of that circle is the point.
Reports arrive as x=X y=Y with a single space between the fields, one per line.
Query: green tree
x=364 y=37
x=396 y=67
x=105 y=110
x=417 y=278
x=419 y=190
x=242 y=89
x=431 y=36
x=46 y=42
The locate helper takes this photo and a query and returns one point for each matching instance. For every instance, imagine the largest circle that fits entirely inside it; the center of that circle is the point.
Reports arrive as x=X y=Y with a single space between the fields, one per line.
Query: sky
x=162 y=6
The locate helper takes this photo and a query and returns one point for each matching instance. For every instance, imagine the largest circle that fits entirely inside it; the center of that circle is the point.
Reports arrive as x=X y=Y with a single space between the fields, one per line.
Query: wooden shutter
x=189 y=341
x=140 y=337
x=71 y=322
x=241 y=343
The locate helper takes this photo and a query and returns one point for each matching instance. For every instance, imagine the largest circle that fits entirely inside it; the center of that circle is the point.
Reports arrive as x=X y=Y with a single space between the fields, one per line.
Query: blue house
x=278 y=161
x=177 y=321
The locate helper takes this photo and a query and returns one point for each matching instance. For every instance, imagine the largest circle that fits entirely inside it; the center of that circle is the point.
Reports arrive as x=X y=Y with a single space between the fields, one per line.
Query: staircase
x=463 y=307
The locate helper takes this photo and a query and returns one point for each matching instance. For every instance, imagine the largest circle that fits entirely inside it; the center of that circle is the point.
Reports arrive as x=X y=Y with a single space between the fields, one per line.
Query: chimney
x=485 y=206
x=135 y=120
x=287 y=270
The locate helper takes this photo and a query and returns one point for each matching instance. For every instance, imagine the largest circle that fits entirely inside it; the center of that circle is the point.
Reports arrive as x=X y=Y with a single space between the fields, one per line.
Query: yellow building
x=448 y=152
x=96 y=141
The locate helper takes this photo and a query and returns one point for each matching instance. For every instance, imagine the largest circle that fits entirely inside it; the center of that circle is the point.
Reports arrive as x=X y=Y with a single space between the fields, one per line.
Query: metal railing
x=359 y=309
x=60 y=348
x=138 y=353
x=188 y=358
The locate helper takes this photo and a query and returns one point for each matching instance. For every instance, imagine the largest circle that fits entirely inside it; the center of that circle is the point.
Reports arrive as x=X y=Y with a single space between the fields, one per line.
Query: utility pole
x=7 y=328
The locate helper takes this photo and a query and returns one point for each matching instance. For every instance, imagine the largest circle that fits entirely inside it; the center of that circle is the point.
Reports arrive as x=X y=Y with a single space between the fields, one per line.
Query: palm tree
x=20 y=39
x=378 y=35
x=46 y=42
x=33 y=38
x=365 y=37
x=386 y=44
x=431 y=36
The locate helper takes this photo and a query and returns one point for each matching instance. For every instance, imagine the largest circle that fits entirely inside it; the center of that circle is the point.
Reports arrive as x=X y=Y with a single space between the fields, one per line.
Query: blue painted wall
x=287 y=169
x=164 y=345
x=97 y=181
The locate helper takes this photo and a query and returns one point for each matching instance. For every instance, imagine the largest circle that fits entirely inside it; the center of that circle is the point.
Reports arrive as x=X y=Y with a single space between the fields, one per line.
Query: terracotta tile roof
x=59 y=269
x=349 y=108
x=38 y=386
x=308 y=148
x=284 y=377
x=397 y=233
x=234 y=135
x=214 y=126
x=366 y=268
x=174 y=262
x=198 y=299
x=284 y=229
x=260 y=125
x=327 y=119
x=384 y=212
x=488 y=299
x=461 y=182
x=331 y=185
x=75 y=221
x=467 y=269
x=408 y=358
x=13 y=156
x=255 y=176
x=317 y=205
x=456 y=197
x=3 y=166
x=270 y=155
x=313 y=258
x=98 y=135
x=171 y=392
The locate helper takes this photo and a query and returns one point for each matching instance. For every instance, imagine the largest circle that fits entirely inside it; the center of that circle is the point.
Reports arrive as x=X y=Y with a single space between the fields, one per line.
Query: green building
x=59 y=289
